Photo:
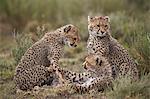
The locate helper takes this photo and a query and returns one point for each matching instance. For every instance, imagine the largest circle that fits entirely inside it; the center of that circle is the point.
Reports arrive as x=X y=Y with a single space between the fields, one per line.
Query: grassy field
x=22 y=22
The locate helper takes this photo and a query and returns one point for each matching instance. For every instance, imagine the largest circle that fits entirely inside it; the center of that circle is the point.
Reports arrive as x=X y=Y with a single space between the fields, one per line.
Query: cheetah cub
x=34 y=68
x=101 y=71
x=98 y=75
x=101 y=42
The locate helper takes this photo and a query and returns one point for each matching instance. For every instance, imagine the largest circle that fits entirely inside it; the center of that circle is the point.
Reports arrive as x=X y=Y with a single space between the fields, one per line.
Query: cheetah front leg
x=60 y=77
x=55 y=66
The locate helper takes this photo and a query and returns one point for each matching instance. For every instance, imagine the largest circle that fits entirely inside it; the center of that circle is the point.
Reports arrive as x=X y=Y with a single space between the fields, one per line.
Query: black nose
x=71 y=44
x=102 y=32
x=75 y=45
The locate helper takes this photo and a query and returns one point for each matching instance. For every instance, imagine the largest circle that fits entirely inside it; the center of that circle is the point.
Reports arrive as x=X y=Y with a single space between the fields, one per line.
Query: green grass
x=6 y=68
x=124 y=88
x=129 y=24
x=23 y=43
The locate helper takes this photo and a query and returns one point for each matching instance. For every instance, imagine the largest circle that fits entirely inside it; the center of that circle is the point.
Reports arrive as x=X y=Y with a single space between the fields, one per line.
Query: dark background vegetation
x=23 y=22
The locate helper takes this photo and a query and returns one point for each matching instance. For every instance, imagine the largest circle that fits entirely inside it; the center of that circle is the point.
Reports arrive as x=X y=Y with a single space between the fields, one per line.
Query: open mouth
x=88 y=68
x=91 y=70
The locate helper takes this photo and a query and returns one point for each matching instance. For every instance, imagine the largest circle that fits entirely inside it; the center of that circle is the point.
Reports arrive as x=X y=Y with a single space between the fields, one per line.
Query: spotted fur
x=101 y=42
x=34 y=67
x=98 y=75
x=100 y=67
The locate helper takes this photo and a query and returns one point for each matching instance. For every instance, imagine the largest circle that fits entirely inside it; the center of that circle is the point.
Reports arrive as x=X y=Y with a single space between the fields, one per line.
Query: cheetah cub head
x=93 y=63
x=71 y=36
x=98 y=25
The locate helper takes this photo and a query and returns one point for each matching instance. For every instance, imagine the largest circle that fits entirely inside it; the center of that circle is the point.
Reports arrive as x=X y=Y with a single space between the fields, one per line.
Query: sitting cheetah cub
x=34 y=67
x=101 y=42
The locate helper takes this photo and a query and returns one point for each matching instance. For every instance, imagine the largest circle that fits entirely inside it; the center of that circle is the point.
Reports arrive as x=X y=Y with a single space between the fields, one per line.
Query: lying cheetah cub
x=98 y=75
x=101 y=72
x=32 y=69
x=101 y=42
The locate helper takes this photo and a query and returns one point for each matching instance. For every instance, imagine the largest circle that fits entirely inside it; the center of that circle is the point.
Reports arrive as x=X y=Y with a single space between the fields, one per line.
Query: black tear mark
x=97 y=60
x=100 y=62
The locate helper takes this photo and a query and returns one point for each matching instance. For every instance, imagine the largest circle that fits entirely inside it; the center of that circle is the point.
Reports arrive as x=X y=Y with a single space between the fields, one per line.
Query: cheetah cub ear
x=90 y=18
x=107 y=18
x=67 y=29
